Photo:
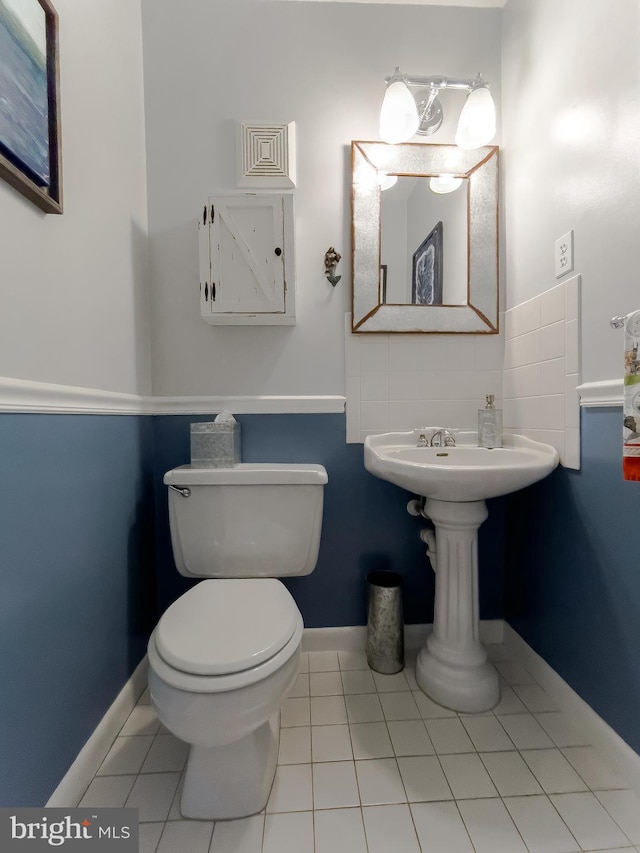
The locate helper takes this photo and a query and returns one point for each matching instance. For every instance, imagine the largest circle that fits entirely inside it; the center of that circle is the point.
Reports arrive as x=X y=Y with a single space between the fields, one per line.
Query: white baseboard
x=78 y=777
x=598 y=733
x=354 y=638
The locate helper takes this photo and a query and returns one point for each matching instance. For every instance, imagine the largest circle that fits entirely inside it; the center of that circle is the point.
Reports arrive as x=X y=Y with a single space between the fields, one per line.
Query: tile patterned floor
x=369 y=764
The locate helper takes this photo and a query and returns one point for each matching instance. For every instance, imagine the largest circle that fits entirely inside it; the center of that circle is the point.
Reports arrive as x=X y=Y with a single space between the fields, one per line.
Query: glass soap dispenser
x=490 y=424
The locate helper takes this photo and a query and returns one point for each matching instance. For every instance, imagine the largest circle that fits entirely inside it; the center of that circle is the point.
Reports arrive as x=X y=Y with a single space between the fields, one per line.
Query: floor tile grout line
x=553 y=805
x=595 y=794
x=466 y=828
x=518 y=750
x=364 y=828
x=313 y=805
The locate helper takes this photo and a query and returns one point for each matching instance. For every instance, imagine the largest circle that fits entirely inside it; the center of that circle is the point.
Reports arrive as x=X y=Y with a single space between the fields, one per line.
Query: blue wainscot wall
x=86 y=563
x=573 y=574
x=77 y=581
x=365 y=527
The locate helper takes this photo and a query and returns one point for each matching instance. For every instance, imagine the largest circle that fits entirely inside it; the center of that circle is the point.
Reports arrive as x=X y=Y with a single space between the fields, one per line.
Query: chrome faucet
x=443 y=438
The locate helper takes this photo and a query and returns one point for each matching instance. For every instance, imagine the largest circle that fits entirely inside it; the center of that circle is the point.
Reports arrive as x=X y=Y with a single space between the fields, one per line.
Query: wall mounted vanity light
x=405 y=112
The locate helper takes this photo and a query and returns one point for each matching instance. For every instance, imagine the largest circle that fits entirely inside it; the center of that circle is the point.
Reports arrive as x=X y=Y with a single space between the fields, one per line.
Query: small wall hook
x=331 y=261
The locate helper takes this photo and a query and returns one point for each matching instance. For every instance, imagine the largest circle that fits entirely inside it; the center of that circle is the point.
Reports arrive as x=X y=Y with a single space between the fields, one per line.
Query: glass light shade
x=399 y=114
x=386 y=181
x=477 y=125
x=444 y=184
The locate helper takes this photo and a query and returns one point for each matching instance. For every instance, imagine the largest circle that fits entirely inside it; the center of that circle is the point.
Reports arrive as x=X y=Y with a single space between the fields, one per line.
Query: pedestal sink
x=452 y=668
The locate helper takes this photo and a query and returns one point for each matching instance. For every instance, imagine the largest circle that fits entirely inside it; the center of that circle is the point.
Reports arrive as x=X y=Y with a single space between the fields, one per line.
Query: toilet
x=225 y=654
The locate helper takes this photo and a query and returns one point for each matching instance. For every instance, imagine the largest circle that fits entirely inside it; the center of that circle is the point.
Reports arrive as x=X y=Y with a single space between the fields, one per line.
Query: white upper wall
x=571 y=124
x=323 y=66
x=73 y=287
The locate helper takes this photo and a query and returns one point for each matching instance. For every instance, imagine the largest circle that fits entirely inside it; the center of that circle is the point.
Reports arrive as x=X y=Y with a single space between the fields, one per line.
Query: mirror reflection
x=425 y=238
x=423 y=243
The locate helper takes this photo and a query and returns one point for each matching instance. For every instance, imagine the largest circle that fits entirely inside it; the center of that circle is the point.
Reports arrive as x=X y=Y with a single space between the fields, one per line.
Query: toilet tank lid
x=247 y=474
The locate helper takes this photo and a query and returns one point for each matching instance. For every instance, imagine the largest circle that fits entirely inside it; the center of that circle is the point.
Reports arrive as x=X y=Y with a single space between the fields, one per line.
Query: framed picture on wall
x=30 y=153
x=426 y=279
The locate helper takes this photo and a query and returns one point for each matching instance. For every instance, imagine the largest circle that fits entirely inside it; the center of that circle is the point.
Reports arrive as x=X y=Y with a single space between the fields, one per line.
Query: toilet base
x=234 y=780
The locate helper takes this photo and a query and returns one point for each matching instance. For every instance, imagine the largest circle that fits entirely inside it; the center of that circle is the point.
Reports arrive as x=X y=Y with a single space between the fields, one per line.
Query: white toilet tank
x=252 y=520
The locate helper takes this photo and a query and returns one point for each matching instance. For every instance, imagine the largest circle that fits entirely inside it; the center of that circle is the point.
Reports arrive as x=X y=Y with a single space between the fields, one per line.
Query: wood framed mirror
x=404 y=279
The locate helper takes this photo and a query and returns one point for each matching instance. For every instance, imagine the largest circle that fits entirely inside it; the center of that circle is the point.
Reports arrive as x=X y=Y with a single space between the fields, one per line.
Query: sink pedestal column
x=452 y=668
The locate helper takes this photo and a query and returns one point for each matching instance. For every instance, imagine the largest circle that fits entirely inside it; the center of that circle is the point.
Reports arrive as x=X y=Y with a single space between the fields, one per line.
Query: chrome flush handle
x=181 y=491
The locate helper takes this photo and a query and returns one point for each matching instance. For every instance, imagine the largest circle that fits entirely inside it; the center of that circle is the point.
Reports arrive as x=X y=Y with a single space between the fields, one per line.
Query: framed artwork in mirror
x=30 y=152
x=426 y=277
x=383 y=283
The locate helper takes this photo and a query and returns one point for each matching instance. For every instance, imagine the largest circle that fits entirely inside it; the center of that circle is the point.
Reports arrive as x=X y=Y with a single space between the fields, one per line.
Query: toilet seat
x=226 y=634
x=225 y=626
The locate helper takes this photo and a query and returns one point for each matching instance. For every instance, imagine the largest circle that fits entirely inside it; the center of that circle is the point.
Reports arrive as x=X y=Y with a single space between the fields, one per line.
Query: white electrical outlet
x=564 y=254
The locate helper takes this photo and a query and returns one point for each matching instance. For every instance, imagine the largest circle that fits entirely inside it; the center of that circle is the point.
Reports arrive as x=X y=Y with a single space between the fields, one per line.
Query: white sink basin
x=462 y=473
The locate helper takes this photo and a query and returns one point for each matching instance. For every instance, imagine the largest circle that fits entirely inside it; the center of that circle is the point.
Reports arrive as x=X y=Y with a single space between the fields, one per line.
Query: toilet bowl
x=224 y=656
x=213 y=695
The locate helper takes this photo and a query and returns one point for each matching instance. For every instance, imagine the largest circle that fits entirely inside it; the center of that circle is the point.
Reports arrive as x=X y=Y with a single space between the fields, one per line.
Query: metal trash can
x=385 y=629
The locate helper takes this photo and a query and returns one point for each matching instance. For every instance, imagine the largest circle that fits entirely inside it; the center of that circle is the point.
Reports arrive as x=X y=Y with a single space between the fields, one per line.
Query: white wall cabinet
x=247 y=259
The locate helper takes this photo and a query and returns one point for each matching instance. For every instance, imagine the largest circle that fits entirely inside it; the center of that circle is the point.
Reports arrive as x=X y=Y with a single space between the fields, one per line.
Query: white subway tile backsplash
x=460 y=385
x=509 y=353
x=533 y=368
x=552 y=305
x=572 y=344
x=403 y=385
x=489 y=352
x=352 y=355
x=431 y=352
x=519 y=411
x=572 y=298
x=572 y=448
x=510 y=325
x=352 y=408
x=571 y=400
x=407 y=415
x=522 y=381
x=552 y=412
x=554 y=437
x=460 y=352
x=525 y=349
x=374 y=416
x=552 y=376
x=516 y=318
x=374 y=386
x=433 y=385
x=403 y=353
x=475 y=385
x=374 y=355
x=540 y=400
x=529 y=315
x=457 y=413
x=552 y=341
